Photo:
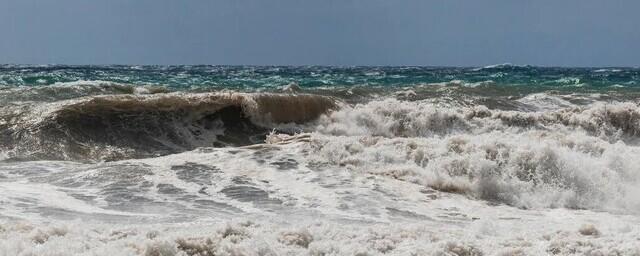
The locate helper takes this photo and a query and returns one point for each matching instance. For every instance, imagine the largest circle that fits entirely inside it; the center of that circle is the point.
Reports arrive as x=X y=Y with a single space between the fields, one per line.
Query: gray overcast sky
x=321 y=32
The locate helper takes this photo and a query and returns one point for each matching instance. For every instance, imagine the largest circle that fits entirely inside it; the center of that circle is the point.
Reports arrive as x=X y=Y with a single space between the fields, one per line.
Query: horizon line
x=320 y=65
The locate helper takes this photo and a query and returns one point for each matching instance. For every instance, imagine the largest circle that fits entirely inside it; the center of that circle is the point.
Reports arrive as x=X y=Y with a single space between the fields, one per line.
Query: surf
x=132 y=126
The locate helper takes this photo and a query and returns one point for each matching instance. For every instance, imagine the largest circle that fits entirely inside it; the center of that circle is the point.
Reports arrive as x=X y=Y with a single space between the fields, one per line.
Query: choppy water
x=209 y=160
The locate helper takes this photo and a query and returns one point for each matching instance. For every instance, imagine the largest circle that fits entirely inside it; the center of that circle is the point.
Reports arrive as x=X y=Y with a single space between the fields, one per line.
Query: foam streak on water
x=205 y=160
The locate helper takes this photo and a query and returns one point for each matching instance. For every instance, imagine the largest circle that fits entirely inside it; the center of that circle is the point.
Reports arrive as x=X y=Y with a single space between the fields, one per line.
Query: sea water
x=242 y=160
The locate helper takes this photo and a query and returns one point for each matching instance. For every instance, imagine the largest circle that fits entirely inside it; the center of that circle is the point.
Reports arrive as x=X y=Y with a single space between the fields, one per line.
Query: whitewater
x=226 y=160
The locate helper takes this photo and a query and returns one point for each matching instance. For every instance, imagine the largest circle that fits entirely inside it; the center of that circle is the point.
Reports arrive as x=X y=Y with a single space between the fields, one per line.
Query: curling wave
x=130 y=126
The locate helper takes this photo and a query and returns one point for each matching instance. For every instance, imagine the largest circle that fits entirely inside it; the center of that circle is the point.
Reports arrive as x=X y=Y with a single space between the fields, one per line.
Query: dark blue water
x=248 y=77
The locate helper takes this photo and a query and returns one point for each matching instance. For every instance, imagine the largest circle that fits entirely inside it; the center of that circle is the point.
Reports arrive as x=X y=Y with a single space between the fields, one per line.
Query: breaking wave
x=393 y=118
x=576 y=157
x=163 y=160
x=559 y=155
x=125 y=126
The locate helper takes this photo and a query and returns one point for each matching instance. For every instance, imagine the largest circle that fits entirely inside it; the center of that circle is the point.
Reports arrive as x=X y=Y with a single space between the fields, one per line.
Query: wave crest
x=391 y=118
x=125 y=126
x=76 y=89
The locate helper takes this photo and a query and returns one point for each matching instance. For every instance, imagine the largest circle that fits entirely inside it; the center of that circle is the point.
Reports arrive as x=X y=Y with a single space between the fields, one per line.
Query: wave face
x=134 y=126
x=207 y=160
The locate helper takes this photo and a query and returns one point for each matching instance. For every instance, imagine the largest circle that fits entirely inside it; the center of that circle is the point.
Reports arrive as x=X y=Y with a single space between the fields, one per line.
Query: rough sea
x=244 y=160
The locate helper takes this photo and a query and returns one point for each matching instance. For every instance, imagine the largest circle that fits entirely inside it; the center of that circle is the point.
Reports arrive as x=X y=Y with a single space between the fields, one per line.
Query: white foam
x=555 y=232
x=460 y=83
x=44 y=195
x=385 y=177
x=607 y=70
x=544 y=101
x=371 y=196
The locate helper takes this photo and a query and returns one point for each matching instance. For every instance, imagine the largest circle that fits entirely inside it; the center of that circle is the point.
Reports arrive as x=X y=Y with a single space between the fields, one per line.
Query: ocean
x=313 y=160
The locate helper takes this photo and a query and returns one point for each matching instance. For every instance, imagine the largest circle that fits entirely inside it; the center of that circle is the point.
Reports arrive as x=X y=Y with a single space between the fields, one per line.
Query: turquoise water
x=248 y=77
x=493 y=85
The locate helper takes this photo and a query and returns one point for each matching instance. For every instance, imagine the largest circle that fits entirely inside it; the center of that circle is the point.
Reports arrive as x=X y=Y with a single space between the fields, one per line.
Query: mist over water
x=216 y=160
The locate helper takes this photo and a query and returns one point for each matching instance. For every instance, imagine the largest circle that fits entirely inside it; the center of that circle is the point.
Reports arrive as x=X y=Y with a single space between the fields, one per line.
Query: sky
x=321 y=32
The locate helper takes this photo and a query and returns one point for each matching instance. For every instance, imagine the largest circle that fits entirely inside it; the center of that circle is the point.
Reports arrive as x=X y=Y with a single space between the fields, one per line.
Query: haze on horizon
x=333 y=32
